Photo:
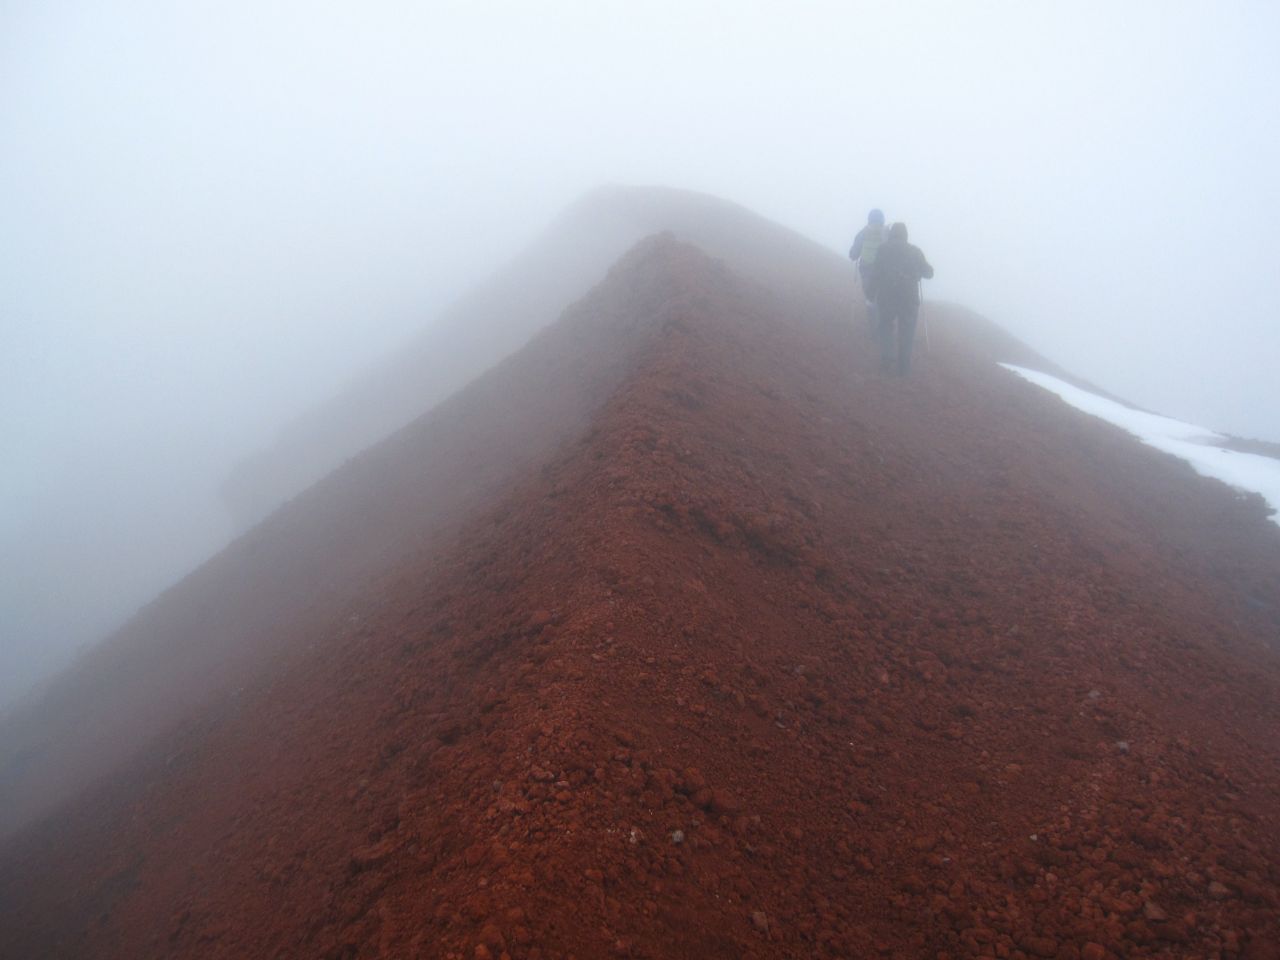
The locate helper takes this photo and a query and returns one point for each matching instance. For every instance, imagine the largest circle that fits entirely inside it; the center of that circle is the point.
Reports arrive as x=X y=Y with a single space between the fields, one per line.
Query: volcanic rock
x=465 y=665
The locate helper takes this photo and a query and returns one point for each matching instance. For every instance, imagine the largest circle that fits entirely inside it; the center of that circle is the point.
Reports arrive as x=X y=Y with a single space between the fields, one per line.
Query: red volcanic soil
x=761 y=655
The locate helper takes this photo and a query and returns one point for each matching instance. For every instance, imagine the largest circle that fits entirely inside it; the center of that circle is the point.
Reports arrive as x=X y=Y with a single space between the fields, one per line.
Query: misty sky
x=213 y=213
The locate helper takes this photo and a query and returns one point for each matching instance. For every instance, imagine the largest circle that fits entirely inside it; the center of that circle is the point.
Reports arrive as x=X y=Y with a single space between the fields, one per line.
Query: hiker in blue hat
x=863 y=252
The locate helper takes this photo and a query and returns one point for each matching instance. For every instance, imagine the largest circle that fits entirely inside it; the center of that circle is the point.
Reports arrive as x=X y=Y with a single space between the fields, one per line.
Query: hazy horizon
x=217 y=214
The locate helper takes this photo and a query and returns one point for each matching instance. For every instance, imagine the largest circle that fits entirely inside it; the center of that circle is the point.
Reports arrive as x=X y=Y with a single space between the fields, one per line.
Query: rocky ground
x=772 y=657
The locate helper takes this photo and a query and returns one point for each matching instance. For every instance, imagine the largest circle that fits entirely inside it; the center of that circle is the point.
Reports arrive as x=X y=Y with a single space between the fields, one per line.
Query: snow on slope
x=1196 y=445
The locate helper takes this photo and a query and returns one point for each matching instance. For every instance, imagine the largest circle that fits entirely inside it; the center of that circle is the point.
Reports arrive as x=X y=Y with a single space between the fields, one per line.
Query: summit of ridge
x=499 y=315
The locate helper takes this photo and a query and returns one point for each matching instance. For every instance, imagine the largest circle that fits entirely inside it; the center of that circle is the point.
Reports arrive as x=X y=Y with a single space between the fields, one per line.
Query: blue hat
x=876 y=216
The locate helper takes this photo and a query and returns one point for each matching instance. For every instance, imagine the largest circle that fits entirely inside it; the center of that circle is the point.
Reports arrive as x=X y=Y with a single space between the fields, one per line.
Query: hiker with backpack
x=899 y=268
x=863 y=252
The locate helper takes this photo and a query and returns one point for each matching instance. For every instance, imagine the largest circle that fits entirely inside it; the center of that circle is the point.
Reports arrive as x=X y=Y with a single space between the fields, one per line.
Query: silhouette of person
x=863 y=252
x=899 y=268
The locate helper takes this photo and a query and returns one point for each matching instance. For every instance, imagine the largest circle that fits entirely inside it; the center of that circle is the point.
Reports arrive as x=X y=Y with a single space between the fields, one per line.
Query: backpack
x=872 y=238
x=896 y=275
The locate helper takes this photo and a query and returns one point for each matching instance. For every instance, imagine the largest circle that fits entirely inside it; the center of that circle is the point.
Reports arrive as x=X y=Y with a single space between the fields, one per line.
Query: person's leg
x=886 y=314
x=906 y=335
x=869 y=298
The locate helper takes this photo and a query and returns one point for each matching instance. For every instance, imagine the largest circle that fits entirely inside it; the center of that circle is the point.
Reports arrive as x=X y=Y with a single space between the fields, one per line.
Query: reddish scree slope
x=924 y=668
x=281 y=588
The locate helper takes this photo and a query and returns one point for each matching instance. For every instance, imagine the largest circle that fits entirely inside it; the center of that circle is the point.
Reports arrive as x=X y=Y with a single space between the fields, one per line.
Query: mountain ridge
x=765 y=599
x=212 y=627
x=494 y=319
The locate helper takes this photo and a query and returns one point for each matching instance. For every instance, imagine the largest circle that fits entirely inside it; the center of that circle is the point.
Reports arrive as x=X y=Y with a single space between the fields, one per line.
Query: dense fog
x=216 y=214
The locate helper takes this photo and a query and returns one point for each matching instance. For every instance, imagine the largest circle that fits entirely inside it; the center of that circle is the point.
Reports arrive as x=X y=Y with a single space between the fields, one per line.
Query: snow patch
x=1196 y=445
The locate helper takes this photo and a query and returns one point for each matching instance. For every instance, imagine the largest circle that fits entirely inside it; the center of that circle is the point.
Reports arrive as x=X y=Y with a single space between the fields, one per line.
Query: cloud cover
x=216 y=212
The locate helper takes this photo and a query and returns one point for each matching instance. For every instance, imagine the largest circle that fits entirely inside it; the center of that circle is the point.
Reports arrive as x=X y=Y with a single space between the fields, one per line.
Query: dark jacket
x=899 y=268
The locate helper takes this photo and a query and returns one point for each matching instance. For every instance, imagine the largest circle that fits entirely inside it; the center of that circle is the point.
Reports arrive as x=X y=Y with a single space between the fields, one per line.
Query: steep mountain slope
x=245 y=606
x=755 y=654
x=500 y=316
x=274 y=590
